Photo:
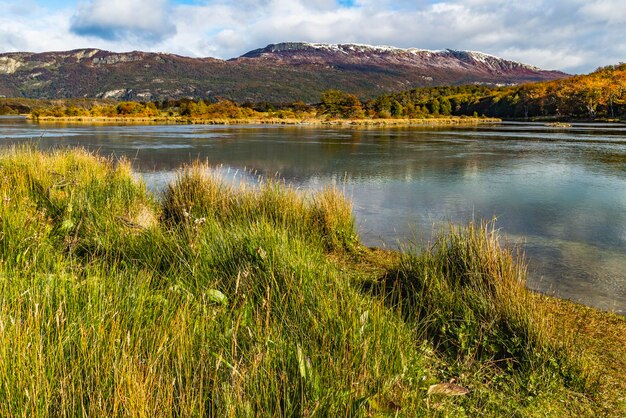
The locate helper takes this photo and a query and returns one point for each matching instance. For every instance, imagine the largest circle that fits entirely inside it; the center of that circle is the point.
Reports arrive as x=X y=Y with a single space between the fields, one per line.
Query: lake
x=561 y=193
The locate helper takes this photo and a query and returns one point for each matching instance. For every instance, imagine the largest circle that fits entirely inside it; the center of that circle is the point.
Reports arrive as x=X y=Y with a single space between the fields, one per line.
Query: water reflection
x=560 y=192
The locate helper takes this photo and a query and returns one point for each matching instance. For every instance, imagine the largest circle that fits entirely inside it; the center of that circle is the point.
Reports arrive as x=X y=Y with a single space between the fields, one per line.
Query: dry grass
x=600 y=338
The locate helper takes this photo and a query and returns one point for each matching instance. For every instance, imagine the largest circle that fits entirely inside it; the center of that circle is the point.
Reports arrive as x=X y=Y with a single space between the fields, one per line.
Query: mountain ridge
x=287 y=71
x=365 y=48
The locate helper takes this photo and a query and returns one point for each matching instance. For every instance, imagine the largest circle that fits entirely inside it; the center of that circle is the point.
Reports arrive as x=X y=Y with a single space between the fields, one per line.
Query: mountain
x=276 y=73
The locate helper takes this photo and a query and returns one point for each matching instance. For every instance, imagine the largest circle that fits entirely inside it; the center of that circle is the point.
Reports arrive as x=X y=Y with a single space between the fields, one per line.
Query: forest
x=600 y=95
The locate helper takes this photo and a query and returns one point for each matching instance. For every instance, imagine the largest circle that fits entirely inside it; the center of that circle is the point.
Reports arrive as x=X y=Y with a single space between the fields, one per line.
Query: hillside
x=600 y=94
x=277 y=73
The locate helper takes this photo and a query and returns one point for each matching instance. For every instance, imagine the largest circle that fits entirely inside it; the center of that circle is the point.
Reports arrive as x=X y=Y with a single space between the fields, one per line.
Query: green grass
x=216 y=300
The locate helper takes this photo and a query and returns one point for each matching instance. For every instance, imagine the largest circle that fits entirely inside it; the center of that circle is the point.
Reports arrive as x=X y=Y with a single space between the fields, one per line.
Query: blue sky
x=571 y=35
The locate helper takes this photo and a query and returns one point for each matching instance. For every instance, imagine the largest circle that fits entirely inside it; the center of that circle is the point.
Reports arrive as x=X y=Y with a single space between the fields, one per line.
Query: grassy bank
x=260 y=301
x=269 y=120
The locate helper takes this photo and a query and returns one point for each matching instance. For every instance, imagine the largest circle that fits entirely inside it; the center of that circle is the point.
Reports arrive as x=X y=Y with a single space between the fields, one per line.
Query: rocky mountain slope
x=278 y=72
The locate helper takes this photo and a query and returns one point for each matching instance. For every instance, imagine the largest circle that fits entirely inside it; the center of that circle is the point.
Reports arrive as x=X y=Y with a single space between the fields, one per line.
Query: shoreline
x=177 y=120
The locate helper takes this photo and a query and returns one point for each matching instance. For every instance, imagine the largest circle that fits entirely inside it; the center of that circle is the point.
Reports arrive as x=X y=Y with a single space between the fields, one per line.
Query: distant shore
x=180 y=120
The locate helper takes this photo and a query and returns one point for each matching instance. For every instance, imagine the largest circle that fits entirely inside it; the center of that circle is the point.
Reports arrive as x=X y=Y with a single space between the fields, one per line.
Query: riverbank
x=215 y=300
x=566 y=119
x=308 y=121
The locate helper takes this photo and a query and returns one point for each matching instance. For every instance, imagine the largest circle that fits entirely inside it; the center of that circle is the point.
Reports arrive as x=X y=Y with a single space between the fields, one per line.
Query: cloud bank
x=114 y=20
x=570 y=35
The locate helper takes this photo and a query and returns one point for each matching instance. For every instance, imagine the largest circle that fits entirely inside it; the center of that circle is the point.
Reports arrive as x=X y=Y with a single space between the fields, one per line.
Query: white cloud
x=123 y=19
x=550 y=57
x=571 y=35
x=35 y=30
x=610 y=11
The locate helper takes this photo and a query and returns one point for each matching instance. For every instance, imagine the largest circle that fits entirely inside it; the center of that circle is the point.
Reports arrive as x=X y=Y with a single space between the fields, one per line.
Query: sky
x=576 y=36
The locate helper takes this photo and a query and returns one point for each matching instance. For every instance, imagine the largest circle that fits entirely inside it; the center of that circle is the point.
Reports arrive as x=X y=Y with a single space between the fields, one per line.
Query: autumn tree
x=339 y=104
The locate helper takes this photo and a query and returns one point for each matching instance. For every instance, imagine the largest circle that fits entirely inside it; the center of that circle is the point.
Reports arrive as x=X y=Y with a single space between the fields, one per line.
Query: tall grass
x=471 y=293
x=213 y=300
x=198 y=193
x=466 y=293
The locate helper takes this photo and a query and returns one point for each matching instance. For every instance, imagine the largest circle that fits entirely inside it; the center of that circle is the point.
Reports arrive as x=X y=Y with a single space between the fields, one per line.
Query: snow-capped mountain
x=359 y=54
x=278 y=72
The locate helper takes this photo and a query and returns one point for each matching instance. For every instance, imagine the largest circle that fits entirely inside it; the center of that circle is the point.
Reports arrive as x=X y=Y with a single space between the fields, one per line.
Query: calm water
x=560 y=192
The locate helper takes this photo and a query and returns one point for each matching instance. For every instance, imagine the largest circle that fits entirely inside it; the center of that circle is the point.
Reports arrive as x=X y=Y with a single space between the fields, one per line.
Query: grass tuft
x=467 y=293
x=199 y=193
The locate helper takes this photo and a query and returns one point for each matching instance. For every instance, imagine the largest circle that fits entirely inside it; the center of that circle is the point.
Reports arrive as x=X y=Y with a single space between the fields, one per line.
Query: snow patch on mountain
x=299 y=49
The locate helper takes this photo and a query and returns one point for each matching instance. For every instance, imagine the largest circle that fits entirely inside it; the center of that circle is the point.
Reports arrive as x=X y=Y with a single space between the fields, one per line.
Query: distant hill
x=277 y=73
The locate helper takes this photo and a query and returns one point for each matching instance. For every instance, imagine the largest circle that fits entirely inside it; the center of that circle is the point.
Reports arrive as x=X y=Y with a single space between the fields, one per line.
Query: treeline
x=417 y=103
x=601 y=94
x=134 y=109
x=22 y=105
x=201 y=109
